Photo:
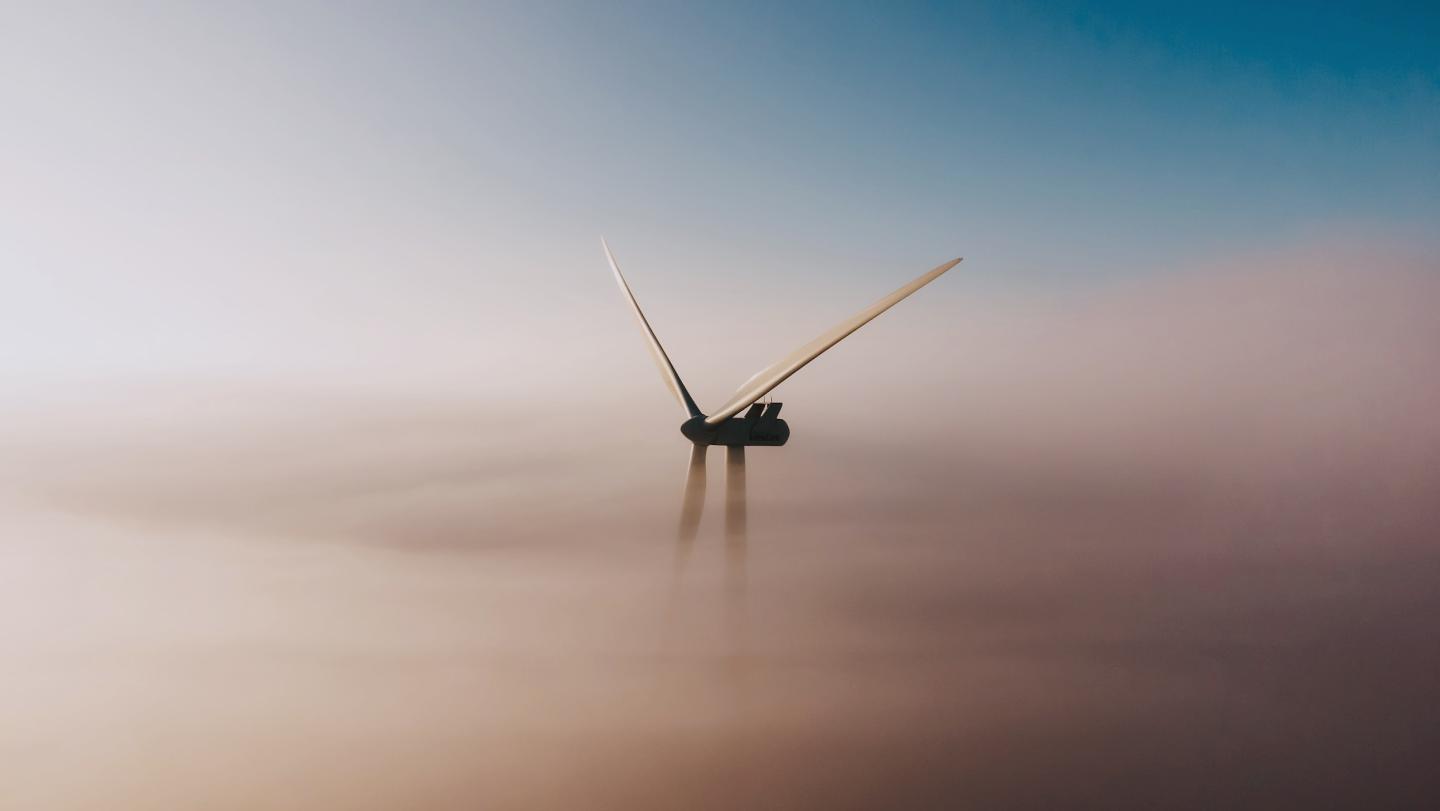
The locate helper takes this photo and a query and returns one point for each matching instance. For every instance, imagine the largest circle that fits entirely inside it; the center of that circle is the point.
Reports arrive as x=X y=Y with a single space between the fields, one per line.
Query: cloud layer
x=1172 y=543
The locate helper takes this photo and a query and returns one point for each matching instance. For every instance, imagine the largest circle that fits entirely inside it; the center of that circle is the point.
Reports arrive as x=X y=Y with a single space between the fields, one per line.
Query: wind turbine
x=760 y=425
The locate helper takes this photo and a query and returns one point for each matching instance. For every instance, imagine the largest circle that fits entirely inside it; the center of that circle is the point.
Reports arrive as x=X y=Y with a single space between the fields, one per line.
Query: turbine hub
x=698 y=431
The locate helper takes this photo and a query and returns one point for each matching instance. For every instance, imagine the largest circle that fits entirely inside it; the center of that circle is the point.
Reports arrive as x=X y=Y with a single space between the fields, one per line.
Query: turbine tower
x=760 y=425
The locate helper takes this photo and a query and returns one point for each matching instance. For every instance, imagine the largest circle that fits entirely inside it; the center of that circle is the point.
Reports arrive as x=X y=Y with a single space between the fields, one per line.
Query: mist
x=1166 y=542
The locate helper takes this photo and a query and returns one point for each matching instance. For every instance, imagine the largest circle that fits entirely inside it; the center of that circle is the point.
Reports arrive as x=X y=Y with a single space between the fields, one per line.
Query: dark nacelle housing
x=761 y=425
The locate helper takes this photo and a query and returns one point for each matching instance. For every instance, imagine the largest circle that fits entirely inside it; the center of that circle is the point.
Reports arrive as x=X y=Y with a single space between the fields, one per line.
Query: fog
x=1168 y=543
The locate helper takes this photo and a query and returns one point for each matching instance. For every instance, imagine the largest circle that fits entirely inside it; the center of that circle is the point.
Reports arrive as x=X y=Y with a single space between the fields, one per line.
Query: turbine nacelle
x=761 y=425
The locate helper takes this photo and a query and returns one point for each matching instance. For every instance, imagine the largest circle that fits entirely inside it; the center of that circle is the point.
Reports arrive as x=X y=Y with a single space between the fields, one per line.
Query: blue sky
x=304 y=164
x=1028 y=133
x=1032 y=134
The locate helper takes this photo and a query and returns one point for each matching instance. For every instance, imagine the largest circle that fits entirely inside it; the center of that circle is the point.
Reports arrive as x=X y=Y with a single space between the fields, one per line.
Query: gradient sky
x=207 y=186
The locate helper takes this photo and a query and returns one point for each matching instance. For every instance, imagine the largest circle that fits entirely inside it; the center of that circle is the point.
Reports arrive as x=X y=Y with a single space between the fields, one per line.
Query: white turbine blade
x=775 y=374
x=691 y=504
x=667 y=369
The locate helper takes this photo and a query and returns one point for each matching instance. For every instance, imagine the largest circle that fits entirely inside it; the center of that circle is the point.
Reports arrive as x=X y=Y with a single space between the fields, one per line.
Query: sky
x=334 y=473
x=193 y=186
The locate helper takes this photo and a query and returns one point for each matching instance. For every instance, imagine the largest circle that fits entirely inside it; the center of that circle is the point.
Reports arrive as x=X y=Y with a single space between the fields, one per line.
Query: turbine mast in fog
x=760 y=424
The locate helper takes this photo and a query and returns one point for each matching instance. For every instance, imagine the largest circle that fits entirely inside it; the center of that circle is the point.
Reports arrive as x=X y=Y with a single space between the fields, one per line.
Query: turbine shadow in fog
x=761 y=426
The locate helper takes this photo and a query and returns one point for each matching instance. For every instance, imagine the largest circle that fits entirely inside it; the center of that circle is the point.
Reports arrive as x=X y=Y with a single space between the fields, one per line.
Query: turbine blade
x=775 y=374
x=667 y=369
x=692 y=504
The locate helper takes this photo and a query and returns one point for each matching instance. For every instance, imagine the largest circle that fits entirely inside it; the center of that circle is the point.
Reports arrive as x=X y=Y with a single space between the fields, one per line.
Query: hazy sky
x=208 y=186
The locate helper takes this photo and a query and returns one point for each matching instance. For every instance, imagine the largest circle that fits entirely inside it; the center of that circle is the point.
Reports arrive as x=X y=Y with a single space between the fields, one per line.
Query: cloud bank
x=1169 y=543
